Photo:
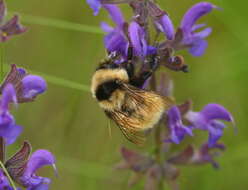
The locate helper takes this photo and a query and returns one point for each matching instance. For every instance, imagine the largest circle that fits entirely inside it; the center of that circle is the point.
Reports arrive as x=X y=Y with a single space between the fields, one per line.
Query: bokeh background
x=64 y=44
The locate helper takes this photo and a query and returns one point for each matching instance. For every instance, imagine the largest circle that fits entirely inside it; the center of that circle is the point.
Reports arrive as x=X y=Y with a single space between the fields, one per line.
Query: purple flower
x=22 y=167
x=10 y=28
x=191 y=38
x=37 y=160
x=4 y=183
x=208 y=119
x=95 y=5
x=177 y=129
x=32 y=86
x=8 y=129
x=116 y=39
x=27 y=86
x=186 y=36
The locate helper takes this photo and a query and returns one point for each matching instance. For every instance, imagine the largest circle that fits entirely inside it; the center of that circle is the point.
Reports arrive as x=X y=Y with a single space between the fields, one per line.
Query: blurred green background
x=68 y=122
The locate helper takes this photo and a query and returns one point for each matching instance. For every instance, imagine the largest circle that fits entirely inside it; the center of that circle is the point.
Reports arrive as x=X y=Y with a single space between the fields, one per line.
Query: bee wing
x=139 y=112
x=146 y=98
x=125 y=125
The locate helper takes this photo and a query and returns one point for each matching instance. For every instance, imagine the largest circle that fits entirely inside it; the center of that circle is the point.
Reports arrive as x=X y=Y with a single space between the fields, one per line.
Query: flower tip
x=235 y=128
x=95 y=5
x=55 y=170
x=217 y=7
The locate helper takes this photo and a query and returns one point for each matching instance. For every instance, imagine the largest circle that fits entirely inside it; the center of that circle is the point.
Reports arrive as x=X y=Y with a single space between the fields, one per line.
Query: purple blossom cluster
x=180 y=120
x=19 y=86
x=136 y=33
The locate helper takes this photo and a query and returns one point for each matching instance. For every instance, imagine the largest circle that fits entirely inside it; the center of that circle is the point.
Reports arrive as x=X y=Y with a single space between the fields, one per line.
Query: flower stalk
x=2 y=149
x=8 y=176
x=151 y=53
x=2 y=141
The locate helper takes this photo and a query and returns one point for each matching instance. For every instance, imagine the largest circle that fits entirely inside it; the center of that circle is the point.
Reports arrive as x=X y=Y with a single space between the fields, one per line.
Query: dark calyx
x=105 y=90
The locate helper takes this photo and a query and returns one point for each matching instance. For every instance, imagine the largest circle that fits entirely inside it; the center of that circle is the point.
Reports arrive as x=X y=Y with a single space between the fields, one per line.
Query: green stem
x=157 y=137
x=8 y=176
x=158 y=143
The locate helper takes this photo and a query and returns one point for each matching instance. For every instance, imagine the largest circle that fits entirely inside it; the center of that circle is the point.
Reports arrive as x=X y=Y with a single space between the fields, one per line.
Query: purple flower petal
x=115 y=14
x=214 y=135
x=115 y=41
x=177 y=129
x=216 y=111
x=151 y=50
x=165 y=25
x=215 y=132
x=37 y=160
x=13 y=132
x=174 y=116
x=8 y=96
x=33 y=85
x=13 y=27
x=95 y=5
x=136 y=34
x=143 y=42
x=41 y=186
x=193 y=14
x=4 y=182
x=8 y=129
x=207 y=119
x=203 y=34
x=106 y=28
x=21 y=71
x=198 y=47
x=197 y=26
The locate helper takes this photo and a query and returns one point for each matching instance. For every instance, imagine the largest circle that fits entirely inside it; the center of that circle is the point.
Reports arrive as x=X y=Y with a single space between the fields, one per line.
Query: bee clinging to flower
x=119 y=92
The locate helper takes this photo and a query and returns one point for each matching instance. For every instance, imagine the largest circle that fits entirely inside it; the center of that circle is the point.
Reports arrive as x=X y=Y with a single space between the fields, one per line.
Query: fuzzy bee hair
x=133 y=109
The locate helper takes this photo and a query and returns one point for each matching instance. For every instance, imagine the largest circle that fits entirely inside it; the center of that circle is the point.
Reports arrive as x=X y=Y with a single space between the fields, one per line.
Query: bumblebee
x=118 y=92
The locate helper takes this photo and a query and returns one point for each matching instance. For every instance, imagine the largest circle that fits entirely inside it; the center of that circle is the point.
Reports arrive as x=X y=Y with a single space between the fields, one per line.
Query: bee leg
x=130 y=54
x=153 y=63
x=128 y=65
x=140 y=80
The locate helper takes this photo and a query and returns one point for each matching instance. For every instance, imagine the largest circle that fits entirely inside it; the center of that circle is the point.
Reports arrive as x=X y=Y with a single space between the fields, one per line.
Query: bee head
x=108 y=65
x=107 y=78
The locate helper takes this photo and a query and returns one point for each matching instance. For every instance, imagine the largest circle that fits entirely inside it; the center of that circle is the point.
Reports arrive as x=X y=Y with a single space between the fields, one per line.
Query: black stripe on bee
x=104 y=90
